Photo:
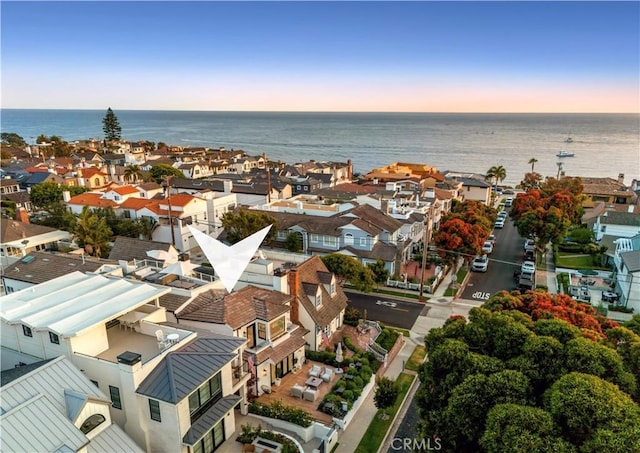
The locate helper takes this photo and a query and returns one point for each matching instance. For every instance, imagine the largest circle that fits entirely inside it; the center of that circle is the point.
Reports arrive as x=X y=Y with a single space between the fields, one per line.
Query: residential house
x=195 y=170
x=17 y=239
x=402 y=170
x=39 y=177
x=39 y=267
x=129 y=249
x=149 y=189
x=54 y=399
x=8 y=185
x=22 y=199
x=171 y=389
x=119 y=194
x=608 y=190
x=274 y=343
x=615 y=223
x=318 y=302
x=305 y=185
x=93 y=200
x=92 y=178
x=474 y=186
x=627 y=263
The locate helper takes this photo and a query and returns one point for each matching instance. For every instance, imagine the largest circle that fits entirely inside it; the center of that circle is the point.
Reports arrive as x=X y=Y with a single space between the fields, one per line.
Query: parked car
x=530 y=244
x=480 y=264
x=528 y=266
x=499 y=223
x=530 y=255
x=492 y=239
x=508 y=202
x=487 y=247
x=508 y=192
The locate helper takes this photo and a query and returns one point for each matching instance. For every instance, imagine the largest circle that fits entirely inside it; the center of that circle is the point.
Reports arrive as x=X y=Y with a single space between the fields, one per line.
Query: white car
x=492 y=239
x=480 y=264
x=499 y=223
x=529 y=244
x=528 y=267
x=487 y=247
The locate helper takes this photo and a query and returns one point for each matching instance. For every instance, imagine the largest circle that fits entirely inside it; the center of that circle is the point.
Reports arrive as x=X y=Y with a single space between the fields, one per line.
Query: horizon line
x=325 y=111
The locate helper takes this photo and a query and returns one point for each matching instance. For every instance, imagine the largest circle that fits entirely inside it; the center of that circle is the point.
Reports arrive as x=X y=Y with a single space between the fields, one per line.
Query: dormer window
x=92 y=423
x=319 y=298
x=333 y=288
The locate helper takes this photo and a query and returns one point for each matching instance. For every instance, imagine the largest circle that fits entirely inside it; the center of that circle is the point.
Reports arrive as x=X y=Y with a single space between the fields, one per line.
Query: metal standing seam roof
x=70 y=304
x=210 y=418
x=113 y=435
x=180 y=373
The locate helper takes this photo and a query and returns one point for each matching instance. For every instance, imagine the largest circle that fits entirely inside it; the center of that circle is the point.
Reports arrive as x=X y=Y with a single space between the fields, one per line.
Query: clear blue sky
x=324 y=56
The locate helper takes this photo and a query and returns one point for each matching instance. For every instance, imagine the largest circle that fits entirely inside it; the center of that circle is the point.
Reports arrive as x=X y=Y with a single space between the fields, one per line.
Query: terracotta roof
x=37 y=169
x=181 y=199
x=311 y=272
x=89 y=172
x=12 y=230
x=135 y=203
x=285 y=348
x=238 y=308
x=47 y=266
x=91 y=199
x=125 y=190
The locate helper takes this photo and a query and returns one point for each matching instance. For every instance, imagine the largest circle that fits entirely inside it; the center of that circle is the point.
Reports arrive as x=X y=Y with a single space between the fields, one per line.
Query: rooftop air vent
x=129 y=358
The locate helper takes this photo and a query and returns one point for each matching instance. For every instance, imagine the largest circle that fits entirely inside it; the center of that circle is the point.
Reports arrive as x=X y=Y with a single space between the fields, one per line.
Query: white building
x=169 y=390
x=67 y=411
x=17 y=239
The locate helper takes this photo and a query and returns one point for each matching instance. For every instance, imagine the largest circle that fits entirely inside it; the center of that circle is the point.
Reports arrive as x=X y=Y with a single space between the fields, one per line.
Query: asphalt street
x=507 y=256
x=387 y=309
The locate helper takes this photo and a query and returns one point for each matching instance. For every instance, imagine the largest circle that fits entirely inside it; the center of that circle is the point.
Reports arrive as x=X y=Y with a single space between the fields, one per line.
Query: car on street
x=508 y=192
x=529 y=255
x=528 y=267
x=492 y=239
x=508 y=202
x=480 y=264
x=499 y=223
x=530 y=244
x=487 y=247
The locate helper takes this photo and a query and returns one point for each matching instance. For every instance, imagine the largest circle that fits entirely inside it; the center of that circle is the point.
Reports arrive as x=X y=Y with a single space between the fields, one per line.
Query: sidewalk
x=350 y=437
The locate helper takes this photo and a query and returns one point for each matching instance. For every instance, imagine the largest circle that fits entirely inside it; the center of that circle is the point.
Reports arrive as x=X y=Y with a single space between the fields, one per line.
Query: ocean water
x=604 y=144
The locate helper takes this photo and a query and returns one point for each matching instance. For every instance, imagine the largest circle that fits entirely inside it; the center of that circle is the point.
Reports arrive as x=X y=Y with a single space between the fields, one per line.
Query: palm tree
x=500 y=174
x=533 y=161
x=133 y=172
x=93 y=232
x=146 y=225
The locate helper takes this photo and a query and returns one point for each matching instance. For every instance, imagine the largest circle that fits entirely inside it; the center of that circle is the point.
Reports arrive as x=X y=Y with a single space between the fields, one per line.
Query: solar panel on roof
x=28 y=259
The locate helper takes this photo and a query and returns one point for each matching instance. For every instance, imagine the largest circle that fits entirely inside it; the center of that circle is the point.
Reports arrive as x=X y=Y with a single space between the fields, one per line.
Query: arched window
x=92 y=423
x=348 y=239
x=96 y=182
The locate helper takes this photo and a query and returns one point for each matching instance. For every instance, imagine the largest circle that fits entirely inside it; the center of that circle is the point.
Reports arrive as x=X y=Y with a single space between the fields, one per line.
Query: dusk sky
x=338 y=56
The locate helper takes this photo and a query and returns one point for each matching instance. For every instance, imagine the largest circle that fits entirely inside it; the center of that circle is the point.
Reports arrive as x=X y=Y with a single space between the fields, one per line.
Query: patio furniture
x=297 y=391
x=315 y=370
x=327 y=375
x=349 y=377
x=314 y=382
x=339 y=391
x=327 y=408
x=162 y=339
x=310 y=395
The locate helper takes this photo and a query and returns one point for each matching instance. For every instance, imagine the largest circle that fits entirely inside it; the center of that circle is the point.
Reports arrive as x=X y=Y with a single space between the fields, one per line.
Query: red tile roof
x=181 y=199
x=136 y=203
x=125 y=190
x=92 y=199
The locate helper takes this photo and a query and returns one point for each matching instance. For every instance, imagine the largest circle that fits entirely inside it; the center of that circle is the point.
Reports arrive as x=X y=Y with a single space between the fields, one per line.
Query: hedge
x=280 y=411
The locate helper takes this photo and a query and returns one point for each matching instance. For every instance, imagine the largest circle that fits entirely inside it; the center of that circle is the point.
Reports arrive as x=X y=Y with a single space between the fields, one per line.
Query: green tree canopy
x=57 y=146
x=160 y=170
x=49 y=192
x=386 y=393
x=133 y=173
x=93 y=233
x=12 y=139
x=380 y=272
x=243 y=223
x=347 y=268
x=111 y=126
x=293 y=242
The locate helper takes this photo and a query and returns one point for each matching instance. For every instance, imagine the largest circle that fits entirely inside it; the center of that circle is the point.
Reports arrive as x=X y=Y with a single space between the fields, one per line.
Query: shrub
x=326 y=357
x=351 y=385
x=351 y=316
x=348 y=395
x=620 y=308
x=358 y=381
x=366 y=373
x=364 y=361
x=387 y=338
x=351 y=346
x=280 y=411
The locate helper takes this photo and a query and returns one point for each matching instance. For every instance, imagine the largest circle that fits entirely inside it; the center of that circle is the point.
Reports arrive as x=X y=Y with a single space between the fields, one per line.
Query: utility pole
x=428 y=226
x=266 y=166
x=167 y=181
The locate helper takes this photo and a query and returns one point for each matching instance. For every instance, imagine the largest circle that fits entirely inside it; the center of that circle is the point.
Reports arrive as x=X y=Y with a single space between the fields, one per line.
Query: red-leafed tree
x=458 y=238
x=531 y=181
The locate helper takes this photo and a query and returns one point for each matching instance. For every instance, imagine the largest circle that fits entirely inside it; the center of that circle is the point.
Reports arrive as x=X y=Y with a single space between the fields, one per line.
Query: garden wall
x=391 y=354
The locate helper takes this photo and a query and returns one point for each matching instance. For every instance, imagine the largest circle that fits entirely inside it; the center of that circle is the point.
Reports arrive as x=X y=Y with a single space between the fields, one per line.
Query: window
x=314 y=238
x=319 y=299
x=114 y=393
x=92 y=423
x=276 y=328
x=54 y=338
x=363 y=242
x=96 y=182
x=154 y=410
x=348 y=239
x=329 y=241
x=282 y=234
x=262 y=331
x=212 y=440
x=204 y=397
x=603 y=228
x=26 y=330
x=333 y=288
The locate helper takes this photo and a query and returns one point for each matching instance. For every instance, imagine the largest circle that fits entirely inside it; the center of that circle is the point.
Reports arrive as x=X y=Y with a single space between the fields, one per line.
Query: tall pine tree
x=111 y=126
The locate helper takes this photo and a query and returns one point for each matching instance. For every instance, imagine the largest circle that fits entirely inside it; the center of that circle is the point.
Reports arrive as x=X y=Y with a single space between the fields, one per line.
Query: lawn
x=398 y=293
x=575 y=261
x=417 y=358
x=373 y=437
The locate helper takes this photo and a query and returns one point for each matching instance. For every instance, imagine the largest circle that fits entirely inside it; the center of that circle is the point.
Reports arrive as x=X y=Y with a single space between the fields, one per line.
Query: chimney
x=384 y=206
x=620 y=178
x=228 y=185
x=66 y=196
x=22 y=216
x=349 y=170
x=293 y=280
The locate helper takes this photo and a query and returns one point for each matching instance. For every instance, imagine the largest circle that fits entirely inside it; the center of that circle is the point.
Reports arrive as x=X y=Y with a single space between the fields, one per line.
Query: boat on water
x=565 y=154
